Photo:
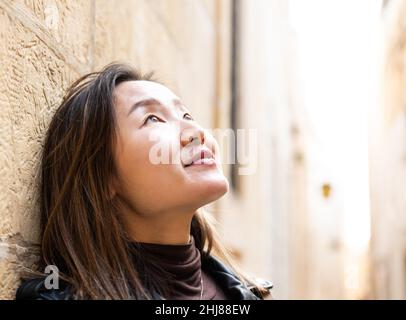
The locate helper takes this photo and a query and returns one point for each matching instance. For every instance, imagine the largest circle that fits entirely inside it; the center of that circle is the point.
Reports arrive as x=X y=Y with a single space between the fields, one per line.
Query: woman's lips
x=205 y=161
x=202 y=158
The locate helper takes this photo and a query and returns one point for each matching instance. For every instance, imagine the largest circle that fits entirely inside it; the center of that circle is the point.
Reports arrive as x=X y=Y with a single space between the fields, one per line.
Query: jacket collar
x=227 y=279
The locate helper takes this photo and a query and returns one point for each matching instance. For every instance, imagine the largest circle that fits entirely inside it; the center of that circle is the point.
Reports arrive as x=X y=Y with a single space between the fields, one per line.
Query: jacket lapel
x=227 y=279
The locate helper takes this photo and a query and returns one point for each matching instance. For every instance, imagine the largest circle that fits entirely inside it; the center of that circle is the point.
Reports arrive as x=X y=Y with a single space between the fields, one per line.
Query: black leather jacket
x=34 y=289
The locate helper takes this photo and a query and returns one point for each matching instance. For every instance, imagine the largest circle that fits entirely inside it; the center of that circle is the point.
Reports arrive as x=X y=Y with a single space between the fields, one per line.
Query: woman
x=125 y=172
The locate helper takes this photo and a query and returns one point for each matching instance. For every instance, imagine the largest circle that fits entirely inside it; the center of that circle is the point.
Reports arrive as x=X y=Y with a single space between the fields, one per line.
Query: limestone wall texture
x=46 y=44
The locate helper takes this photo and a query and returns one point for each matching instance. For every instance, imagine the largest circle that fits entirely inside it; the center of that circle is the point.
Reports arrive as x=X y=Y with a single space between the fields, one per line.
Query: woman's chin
x=209 y=190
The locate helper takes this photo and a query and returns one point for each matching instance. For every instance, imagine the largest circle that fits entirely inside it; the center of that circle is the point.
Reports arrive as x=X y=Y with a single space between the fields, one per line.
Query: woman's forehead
x=134 y=90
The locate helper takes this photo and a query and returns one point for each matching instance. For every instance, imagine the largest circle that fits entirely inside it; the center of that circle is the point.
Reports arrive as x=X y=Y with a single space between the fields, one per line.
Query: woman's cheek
x=161 y=146
x=149 y=159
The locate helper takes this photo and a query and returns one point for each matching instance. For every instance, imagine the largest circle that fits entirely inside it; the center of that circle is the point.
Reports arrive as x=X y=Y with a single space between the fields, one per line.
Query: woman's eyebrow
x=153 y=101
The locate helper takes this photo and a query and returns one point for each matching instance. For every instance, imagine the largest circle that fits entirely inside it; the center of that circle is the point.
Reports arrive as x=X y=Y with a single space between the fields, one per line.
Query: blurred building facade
x=388 y=162
x=264 y=216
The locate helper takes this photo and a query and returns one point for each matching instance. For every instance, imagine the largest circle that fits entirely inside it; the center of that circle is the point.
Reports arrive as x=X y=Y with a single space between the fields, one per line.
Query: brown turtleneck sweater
x=183 y=264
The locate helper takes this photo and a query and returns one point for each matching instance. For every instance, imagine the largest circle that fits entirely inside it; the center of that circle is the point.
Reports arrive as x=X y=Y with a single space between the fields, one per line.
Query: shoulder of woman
x=36 y=289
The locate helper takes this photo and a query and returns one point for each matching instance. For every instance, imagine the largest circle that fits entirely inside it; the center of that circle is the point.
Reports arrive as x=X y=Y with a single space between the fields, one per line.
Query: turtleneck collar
x=178 y=254
x=182 y=263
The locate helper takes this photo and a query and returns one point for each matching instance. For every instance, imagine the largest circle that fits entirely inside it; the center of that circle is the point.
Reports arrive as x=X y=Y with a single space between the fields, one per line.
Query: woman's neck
x=164 y=228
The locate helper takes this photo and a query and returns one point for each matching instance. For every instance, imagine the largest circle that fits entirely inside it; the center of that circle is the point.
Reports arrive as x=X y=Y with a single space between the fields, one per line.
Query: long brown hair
x=81 y=230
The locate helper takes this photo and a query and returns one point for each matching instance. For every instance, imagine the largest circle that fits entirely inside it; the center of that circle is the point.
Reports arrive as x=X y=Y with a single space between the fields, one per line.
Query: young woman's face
x=158 y=150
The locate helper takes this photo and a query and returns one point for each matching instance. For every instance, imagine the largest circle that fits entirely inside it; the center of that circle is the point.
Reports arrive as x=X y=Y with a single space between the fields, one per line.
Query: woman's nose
x=192 y=135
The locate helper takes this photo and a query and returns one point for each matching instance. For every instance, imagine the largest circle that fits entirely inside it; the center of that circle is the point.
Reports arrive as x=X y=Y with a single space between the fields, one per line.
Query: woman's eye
x=187 y=116
x=152 y=118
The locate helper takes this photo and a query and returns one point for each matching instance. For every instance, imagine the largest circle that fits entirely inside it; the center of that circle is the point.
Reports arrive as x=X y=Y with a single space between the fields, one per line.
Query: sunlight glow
x=338 y=53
